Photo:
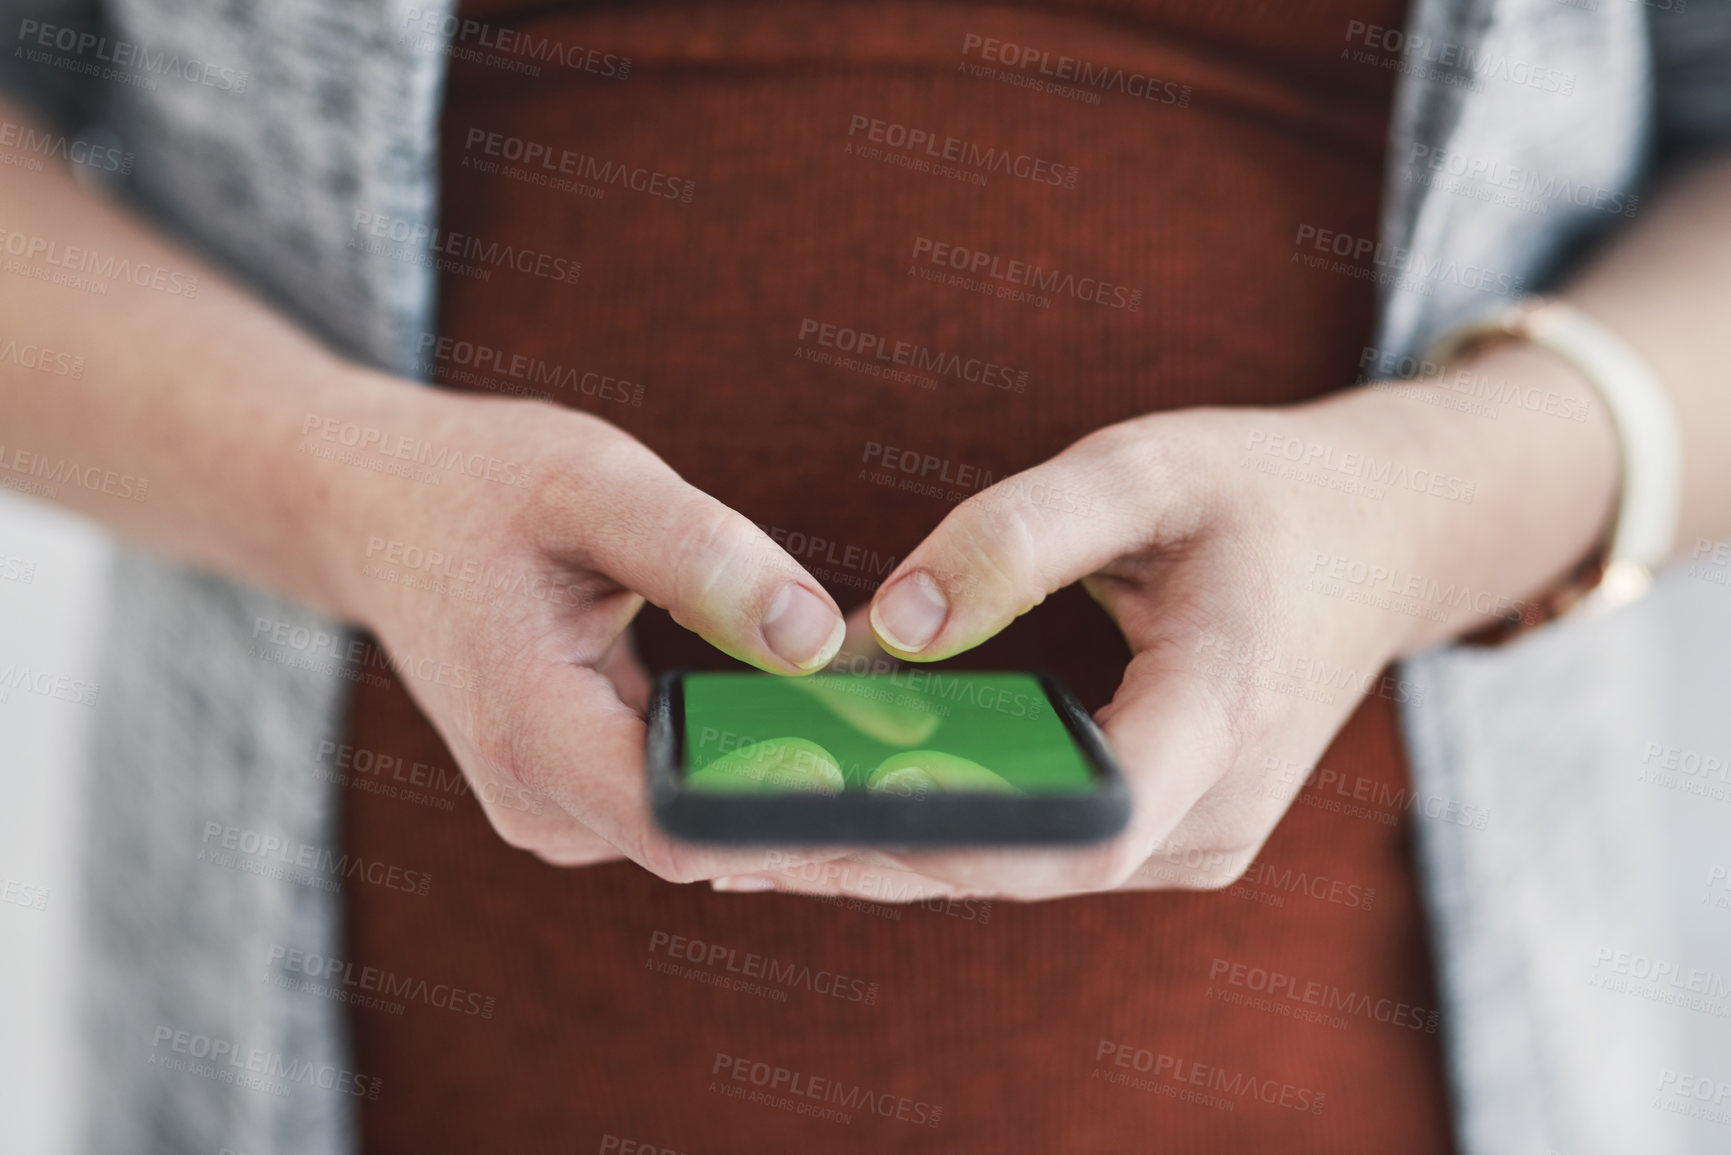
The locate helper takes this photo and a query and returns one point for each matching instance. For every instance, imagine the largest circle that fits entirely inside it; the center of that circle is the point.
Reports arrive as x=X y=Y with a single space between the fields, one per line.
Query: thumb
x=998 y=554
x=709 y=566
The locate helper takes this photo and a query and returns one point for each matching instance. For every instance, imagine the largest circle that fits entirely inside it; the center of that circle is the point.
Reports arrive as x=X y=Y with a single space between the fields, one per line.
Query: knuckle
x=672 y=862
x=1219 y=680
x=1127 y=451
x=1197 y=866
x=717 y=550
x=1109 y=866
x=1117 y=443
x=580 y=477
x=567 y=856
x=1160 y=473
x=993 y=543
x=561 y=484
x=502 y=754
x=1227 y=869
x=514 y=781
x=1228 y=709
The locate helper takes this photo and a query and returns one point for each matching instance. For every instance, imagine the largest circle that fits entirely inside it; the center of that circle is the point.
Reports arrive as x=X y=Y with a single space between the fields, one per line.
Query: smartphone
x=915 y=757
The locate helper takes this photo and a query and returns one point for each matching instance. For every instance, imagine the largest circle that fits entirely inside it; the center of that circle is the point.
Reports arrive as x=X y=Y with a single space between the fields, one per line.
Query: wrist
x=356 y=481
x=1539 y=448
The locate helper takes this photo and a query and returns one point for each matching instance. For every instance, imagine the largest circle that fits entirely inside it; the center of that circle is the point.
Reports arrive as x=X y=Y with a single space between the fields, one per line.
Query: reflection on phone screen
x=912 y=733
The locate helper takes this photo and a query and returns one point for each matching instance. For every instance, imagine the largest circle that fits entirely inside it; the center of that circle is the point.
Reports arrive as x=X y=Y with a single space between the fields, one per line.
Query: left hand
x=1197 y=533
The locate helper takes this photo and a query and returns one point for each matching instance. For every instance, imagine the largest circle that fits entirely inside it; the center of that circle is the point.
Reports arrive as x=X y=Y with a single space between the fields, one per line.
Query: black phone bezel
x=857 y=818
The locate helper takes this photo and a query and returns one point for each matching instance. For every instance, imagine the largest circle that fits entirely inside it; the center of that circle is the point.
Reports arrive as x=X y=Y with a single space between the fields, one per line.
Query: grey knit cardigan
x=1586 y=840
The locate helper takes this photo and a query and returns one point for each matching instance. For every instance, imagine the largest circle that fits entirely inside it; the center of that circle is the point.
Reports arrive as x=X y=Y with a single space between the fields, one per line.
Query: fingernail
x=801 y=628
x=911 y=613
x=742 y=883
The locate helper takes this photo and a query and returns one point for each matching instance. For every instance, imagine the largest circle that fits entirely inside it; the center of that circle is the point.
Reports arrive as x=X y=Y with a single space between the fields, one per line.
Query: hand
x=1246 y=659
x=503 y=593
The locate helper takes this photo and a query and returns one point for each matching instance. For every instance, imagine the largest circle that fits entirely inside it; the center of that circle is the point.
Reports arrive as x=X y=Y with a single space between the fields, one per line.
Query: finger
x=867 y=875
x=579 y=846
x=998 y=554
x=714 y=571
x=1175 y=733
x=575 y=742
x=621 y=666
x=526 y=819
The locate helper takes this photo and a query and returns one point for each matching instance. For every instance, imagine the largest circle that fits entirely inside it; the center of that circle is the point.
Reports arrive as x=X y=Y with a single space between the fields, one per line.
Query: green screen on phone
x=911 y=733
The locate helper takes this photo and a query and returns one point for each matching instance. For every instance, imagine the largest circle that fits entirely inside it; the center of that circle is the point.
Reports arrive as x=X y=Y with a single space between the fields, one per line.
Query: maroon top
x=768 y=182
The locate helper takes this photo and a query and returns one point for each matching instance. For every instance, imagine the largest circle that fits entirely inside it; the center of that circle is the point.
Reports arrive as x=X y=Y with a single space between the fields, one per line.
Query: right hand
x=539 y=583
